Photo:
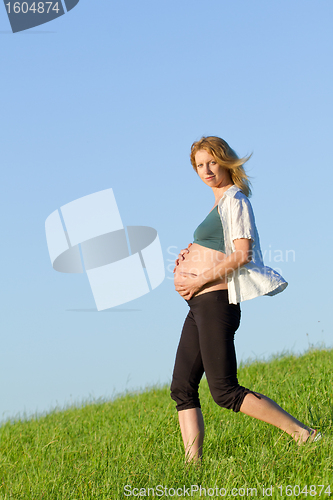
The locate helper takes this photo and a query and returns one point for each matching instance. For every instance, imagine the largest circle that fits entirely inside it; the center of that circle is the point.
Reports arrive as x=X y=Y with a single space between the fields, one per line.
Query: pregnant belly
x=197 y=261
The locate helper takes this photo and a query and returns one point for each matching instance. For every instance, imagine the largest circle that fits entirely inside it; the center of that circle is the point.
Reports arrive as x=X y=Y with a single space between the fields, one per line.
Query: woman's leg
x=192 y=428
x=267 y=410
x=186 y=377
x=217 y=322
x=200 y=334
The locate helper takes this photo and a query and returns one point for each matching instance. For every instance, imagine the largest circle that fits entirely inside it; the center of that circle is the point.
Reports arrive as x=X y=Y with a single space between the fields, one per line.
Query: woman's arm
x=187 y=286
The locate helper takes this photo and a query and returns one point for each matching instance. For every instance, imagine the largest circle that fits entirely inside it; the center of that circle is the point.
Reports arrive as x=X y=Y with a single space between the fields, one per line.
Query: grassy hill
x=105 y=450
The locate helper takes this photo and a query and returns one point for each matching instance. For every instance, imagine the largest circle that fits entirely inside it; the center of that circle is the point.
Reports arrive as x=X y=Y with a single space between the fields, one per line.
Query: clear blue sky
x=113 y=94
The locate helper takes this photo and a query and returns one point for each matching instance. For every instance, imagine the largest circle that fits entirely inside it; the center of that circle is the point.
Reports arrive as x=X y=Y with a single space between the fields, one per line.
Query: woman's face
x=209 y=171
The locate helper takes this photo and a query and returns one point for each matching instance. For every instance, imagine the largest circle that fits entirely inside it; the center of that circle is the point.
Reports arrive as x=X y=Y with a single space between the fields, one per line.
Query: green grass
x=93 y=452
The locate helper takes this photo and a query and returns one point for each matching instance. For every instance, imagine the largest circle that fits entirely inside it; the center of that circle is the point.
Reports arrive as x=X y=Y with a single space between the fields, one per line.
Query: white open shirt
x=254 y=278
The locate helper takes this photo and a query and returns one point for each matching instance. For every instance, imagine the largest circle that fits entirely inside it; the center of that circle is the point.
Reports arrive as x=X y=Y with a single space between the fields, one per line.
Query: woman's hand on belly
x=189 y=272
x=181 y=256
x=187 y=284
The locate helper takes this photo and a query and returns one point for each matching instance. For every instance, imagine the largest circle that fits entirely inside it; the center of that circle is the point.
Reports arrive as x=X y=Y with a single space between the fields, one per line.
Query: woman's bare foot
x=308 y=435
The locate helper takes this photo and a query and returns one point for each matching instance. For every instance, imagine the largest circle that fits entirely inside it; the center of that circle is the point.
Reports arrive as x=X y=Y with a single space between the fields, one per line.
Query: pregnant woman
x=222 y=267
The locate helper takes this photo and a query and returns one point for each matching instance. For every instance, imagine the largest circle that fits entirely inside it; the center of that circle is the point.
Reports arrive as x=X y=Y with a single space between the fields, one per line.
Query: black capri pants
x=207 y=345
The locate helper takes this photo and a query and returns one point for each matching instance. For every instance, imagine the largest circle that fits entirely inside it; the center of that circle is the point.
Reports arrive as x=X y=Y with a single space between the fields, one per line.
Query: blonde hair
x=227 y=158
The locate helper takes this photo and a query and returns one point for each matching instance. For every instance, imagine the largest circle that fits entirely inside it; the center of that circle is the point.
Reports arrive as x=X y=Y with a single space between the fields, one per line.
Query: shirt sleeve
x=242 y=219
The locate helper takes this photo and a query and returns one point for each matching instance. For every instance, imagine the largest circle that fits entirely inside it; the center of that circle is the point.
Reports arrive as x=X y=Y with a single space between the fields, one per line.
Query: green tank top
x=210 y=232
